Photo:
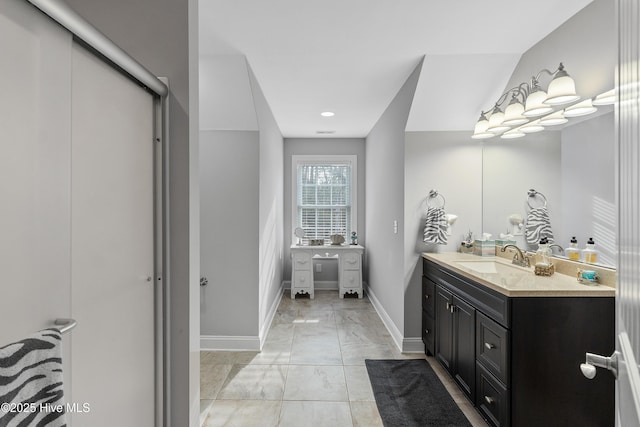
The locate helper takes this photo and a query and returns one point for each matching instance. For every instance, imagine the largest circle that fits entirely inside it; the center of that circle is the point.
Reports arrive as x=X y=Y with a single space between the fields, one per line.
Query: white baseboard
x=270 y=316
x=413 y=345
x=229 y=343
x=391 y=327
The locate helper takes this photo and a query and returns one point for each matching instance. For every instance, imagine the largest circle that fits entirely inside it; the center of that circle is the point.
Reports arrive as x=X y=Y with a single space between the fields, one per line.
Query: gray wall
x=162 y=35
x=318 y=146
x=270 y=219
x=451 y=163
x=385 y=156
x=586 y=44
x=229 y=196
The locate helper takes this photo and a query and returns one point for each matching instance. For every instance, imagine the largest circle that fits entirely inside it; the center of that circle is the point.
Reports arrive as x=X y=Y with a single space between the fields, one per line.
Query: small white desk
x=349 y=268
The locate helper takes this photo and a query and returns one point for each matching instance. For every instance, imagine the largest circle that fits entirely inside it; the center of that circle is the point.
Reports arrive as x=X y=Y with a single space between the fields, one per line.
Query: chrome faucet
x=556 y=246
x=519 y=258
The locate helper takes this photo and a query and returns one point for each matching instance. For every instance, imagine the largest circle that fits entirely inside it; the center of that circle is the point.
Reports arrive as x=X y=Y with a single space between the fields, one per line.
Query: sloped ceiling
x=351 y=57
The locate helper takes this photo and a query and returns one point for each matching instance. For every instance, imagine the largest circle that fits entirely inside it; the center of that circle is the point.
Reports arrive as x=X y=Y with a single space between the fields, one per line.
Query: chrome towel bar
x=65 y=325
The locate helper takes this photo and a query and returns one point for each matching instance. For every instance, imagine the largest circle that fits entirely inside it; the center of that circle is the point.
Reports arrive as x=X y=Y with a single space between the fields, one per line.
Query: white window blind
x=324 y=196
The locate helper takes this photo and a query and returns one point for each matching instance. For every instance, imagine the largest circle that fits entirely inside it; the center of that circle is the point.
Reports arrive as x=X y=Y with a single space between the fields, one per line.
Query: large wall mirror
x=572 y=167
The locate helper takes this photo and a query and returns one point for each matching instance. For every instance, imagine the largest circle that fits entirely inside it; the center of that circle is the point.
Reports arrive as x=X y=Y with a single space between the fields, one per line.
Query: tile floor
x=311 y=371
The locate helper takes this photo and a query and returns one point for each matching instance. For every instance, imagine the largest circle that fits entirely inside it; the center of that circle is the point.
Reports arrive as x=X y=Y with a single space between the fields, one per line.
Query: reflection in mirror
x=574 y=167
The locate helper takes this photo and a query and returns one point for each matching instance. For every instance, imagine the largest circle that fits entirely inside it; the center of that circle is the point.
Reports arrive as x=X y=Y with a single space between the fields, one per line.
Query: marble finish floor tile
x=316 y=383
x=365 y=414
x=212 y=378
x=244 y=413
x=358 y=384
x=254 y=382
x=316 y=414
x=205 y=404
x=311 y=369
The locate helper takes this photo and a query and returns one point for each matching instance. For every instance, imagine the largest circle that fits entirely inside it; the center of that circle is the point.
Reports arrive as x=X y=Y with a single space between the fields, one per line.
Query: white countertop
x=342 y=246
x=514 y=281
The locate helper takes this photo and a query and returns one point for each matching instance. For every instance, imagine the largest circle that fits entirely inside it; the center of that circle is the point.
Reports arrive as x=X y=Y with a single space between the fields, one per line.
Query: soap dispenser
x=543 y=254
x=572 y=251
x=589 y=253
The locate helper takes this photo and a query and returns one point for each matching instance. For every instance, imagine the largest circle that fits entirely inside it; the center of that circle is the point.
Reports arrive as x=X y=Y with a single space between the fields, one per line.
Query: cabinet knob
x=489 y=346
x=302 y=279
x=489 y=400
x=426 y=297
x=426 y=331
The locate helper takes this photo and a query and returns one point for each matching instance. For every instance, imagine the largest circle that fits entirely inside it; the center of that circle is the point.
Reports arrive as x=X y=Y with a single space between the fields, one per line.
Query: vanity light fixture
x=526 y=101
x=480 y=130
x=532 y=127
x=513 y=134
x=562 y=88
x=606 y=98
x=582 y=108
x=554 y=119
x=327 y=114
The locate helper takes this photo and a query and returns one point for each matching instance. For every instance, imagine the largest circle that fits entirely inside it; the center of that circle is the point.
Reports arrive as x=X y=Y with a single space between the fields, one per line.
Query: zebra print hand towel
x=538 y=225
x=31 y=391
x=435 y=229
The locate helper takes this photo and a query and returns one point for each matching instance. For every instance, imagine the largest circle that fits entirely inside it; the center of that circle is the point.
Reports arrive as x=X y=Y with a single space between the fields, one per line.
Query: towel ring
x=434 y=194
x=533 y=194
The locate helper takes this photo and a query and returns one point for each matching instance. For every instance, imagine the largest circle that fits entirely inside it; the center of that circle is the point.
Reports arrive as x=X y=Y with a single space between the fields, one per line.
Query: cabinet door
x=444 y=328
x=464 y=318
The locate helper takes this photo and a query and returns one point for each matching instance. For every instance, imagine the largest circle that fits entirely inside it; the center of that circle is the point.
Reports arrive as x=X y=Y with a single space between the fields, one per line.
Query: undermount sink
x=490 y=267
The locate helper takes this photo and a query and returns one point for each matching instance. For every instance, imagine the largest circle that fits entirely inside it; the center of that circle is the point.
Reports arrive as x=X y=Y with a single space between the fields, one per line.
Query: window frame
x=297 y=159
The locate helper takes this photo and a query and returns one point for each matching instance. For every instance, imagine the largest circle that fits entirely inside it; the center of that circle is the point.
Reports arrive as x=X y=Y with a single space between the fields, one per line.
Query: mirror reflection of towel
x=31 y=373
x=435 y=229
x=538 y=225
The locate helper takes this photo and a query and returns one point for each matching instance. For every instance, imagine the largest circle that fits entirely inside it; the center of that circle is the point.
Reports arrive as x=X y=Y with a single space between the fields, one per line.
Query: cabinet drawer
x=302 y=261
x=302 y=279
x=428 y=295
x=428 y=332
x=492 y=398
x=492 y=347
x=351 y=261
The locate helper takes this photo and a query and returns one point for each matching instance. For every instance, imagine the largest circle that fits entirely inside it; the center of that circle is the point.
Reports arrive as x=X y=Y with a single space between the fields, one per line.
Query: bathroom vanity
x=513 y=341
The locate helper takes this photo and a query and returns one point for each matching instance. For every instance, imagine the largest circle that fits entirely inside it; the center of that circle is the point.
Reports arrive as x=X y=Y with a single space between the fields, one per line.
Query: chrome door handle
x=594 y=361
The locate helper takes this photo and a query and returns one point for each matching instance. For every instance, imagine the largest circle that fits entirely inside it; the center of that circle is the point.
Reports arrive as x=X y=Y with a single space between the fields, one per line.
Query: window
x=324 y=199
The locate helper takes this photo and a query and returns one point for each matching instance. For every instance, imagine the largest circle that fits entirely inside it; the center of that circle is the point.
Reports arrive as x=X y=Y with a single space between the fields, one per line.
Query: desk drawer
x=302 y=279
x=302 y=261
x=351 y=261
x=492 y=347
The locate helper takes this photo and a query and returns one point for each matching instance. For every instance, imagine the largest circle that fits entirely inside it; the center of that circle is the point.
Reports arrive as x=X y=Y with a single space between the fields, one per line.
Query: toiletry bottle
x=589 y=253
x=543 y=254
x=572 y=251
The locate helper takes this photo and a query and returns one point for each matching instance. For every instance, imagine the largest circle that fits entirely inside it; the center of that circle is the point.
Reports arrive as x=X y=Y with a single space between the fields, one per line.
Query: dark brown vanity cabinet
x=517 y=358
x=428 y=315
x=454 y=338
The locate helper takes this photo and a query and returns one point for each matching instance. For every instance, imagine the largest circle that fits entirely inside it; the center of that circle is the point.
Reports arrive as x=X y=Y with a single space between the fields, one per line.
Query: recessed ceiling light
x=325 y=132
x=327 y=114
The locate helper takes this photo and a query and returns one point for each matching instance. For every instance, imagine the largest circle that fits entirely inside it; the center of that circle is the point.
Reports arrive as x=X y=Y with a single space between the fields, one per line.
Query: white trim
x=270 y=316
x=352 y=159
x=413 y=345
x=388 y=323
x=229 y=343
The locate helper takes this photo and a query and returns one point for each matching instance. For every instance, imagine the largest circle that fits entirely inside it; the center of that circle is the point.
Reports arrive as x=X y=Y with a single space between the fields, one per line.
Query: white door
x=628 y=296
x=111 y=245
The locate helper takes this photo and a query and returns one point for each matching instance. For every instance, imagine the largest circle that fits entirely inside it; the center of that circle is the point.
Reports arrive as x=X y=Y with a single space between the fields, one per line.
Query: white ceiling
x=352 y=57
